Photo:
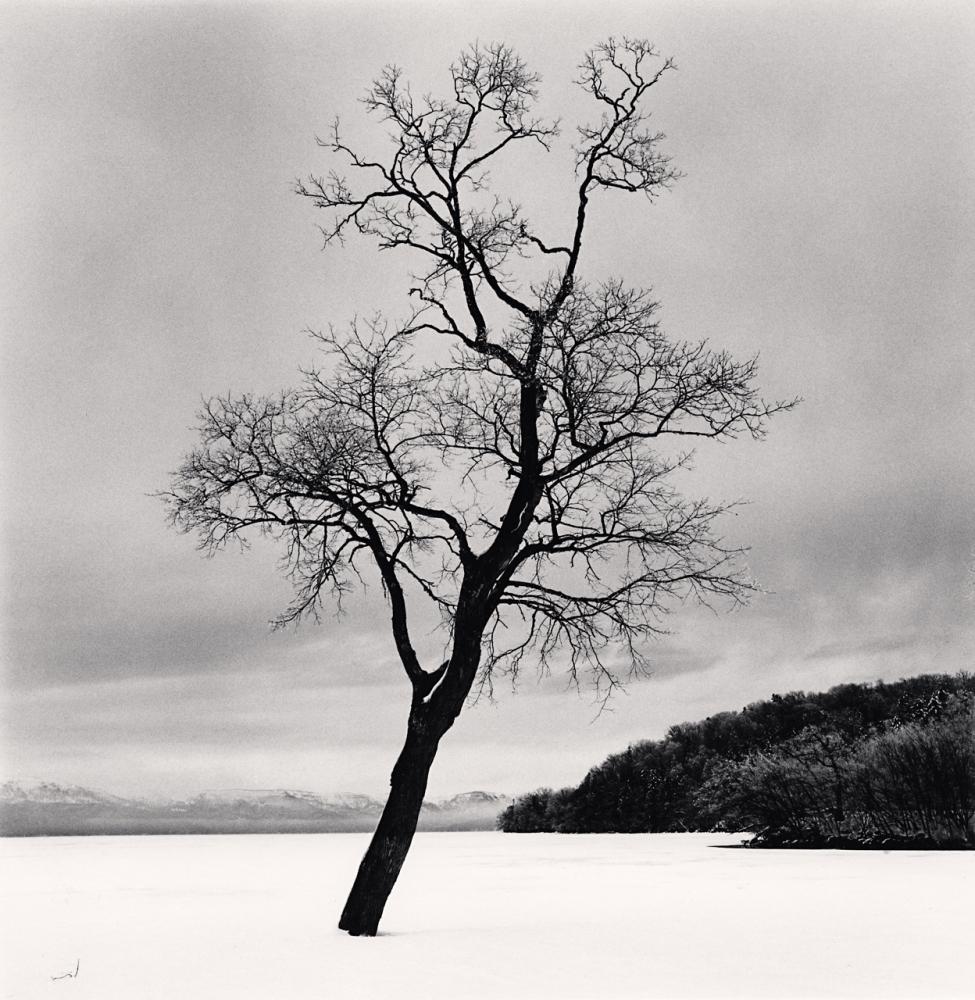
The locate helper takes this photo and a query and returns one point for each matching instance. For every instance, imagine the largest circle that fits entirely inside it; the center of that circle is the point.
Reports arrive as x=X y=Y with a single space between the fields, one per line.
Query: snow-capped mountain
x=42 y=808
x=467 y=811
x=275 y=805
x=290 y=800
x=37 y=791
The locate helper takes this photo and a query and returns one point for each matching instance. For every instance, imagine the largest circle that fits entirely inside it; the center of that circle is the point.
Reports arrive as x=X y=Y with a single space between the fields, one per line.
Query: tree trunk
x=386 y=853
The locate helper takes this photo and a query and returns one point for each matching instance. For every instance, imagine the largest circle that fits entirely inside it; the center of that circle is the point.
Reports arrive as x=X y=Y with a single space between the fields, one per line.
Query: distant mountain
x=468 y=811
x=47 y=792
x=43 y=808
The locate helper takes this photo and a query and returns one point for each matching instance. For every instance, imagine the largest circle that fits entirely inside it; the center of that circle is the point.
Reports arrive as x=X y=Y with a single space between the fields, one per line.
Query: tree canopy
x=859 y=764
x=493 y=451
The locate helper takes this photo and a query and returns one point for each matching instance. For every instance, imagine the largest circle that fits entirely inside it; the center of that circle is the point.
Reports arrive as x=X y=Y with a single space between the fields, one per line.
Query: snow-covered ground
x=481 y=915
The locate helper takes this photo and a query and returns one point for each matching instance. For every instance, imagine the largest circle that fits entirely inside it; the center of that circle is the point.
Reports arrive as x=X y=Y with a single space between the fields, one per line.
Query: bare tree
x=503 y=454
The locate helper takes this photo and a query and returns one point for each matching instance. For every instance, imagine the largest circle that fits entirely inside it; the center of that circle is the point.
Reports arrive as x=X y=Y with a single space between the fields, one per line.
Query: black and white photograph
x=488 y=499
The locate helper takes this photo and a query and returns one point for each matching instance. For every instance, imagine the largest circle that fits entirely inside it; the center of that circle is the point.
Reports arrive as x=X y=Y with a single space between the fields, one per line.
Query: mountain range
x=44 y=808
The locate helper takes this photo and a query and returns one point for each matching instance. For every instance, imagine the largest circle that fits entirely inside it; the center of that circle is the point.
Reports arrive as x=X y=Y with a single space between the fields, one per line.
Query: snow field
x=481 y=915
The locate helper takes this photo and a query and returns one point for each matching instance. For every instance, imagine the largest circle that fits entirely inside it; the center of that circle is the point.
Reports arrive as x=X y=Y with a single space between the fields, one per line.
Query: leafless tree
x=506 y=452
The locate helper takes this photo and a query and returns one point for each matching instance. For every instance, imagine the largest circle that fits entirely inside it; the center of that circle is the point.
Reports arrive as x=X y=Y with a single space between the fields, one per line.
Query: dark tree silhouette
x=502 y=453
x=859 y=765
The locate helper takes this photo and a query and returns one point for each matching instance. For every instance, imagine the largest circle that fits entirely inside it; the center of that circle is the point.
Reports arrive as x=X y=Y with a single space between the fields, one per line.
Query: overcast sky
x=154 y=254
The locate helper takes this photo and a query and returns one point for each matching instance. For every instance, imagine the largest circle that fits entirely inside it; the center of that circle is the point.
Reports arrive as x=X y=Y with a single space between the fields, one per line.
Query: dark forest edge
x=884 y=765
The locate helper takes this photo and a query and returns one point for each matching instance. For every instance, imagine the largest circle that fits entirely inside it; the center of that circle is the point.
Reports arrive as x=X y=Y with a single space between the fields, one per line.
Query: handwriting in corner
x=69 y=975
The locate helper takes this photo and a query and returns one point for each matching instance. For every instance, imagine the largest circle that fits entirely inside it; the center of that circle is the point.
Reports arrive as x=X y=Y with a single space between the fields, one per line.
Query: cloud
x=865 y=647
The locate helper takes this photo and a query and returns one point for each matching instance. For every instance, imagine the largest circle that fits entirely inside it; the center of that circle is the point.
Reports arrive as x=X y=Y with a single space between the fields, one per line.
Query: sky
x=154 y=254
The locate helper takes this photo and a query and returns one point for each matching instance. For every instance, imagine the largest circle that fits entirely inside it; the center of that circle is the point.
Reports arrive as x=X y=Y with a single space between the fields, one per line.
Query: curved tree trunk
x=386 y=853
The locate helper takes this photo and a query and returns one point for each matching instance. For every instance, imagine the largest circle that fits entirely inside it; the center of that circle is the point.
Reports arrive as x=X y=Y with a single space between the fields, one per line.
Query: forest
x=883 y=765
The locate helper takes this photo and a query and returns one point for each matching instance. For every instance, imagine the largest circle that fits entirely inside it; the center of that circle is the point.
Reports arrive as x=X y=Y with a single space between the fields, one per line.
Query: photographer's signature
x=69 y=975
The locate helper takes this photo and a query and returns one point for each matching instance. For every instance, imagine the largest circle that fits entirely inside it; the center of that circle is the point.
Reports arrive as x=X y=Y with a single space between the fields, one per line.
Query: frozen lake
x=481 y=915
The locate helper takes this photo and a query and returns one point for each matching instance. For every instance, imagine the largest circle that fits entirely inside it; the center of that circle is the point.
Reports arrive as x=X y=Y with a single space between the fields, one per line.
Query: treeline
x=860 y=765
